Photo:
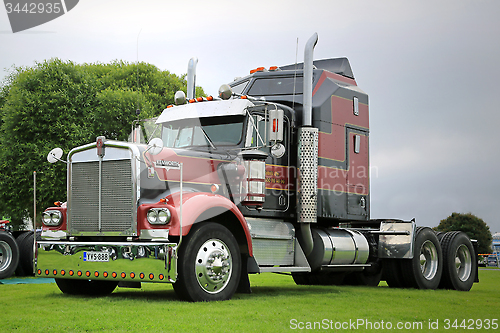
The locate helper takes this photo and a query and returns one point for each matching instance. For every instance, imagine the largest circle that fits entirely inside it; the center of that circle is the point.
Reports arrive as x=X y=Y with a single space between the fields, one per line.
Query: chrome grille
x=117 y=206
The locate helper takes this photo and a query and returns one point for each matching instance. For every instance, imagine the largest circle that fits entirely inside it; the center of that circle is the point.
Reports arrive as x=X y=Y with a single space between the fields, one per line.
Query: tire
x=370 y=276
x=25 y=244
x=425 y=269
x=19 y=240
x=458 y=261
x=392 y=273
x=26 y=254
x=9 y=255
x=209 y=264
x=86 y=287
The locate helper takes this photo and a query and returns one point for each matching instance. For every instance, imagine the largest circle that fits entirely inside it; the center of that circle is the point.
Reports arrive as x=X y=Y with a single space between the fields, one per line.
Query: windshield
x=203 y=132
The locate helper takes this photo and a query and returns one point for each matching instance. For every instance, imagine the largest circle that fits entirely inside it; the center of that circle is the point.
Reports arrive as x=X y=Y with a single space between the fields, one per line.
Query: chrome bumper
x=127 y=261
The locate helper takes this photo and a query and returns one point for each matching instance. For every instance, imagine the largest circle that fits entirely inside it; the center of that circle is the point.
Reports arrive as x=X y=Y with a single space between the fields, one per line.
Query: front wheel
x=209 y=264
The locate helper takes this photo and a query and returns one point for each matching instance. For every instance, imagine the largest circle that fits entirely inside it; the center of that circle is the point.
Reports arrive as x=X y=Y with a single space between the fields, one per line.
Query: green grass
x=275 y=301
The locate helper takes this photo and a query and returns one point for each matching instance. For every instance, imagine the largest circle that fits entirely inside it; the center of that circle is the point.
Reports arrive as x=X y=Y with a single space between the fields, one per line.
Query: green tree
x=63 y=104
x=472 y=225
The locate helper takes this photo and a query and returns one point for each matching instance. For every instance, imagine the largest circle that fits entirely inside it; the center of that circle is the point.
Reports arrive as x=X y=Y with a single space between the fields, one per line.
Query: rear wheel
x=370 y=276
x=26 y=253
x=425 y=269
x=86 y=287
x=392 y=273
x=459 y=261
x=9 y=255
x=209 y=264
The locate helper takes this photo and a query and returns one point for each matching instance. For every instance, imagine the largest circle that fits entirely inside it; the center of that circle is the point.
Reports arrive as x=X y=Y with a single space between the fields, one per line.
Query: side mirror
x=155 y=146
x=276 y=126
x=55 y=155
x=180 y=98
x=225 y=92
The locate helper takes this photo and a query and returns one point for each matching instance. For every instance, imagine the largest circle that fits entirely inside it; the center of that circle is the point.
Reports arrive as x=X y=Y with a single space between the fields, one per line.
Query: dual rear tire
x=439 y=260
x=9 y=255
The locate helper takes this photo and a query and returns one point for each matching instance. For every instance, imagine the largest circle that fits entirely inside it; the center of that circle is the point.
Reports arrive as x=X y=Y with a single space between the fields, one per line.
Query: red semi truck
x=273 y=176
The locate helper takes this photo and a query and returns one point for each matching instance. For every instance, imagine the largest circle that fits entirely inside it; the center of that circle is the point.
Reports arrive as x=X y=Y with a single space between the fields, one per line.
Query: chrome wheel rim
x=213 y=266
x=429 y=261
x=463 y=263
x=5 y=255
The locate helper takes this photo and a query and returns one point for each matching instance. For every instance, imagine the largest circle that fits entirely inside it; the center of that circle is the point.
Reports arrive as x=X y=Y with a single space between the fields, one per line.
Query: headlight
x=159 y=216
x=52 y=218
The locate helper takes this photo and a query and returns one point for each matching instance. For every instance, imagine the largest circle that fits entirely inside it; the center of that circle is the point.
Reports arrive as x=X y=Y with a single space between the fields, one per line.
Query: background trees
x=472 y=225
x=58 y=103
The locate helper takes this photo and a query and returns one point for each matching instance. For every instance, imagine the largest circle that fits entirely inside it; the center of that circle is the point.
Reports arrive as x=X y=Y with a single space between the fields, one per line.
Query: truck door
x=358 y=173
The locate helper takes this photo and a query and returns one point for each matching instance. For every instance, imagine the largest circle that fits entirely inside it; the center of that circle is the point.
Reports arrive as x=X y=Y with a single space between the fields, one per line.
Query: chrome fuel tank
x=338 y=247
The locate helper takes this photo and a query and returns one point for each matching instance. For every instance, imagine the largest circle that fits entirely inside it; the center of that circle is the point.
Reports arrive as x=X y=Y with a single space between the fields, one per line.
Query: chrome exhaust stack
x=307 y=180
x=191 y=78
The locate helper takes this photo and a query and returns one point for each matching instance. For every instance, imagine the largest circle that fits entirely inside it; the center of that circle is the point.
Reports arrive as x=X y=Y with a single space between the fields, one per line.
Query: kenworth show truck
x=272 y=176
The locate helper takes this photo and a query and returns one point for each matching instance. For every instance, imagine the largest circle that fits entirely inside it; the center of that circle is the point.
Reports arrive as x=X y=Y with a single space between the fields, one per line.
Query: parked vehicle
x=273 y=176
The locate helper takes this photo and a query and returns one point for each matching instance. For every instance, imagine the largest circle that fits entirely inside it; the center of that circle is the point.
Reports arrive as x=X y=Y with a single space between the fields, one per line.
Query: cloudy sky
x=431 y=70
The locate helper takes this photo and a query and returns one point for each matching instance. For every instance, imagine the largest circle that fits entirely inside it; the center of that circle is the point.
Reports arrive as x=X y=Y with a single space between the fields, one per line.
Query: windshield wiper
x=208 y=139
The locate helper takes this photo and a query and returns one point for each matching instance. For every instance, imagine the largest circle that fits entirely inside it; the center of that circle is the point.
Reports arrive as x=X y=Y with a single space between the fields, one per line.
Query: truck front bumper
x=125 y=261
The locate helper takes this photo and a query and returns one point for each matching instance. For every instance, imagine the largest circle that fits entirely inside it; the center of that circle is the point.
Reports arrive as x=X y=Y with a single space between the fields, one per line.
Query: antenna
x=295 y=73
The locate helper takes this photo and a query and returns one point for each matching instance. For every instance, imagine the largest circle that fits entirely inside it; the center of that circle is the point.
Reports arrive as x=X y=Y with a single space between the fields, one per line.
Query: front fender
x=200 y=206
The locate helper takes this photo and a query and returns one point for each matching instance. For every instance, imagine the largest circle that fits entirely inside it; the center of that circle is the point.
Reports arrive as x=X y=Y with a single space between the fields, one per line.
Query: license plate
x=96 y=256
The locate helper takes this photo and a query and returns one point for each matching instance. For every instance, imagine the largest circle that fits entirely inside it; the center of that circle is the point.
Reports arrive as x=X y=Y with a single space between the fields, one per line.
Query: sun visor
x=230 y=107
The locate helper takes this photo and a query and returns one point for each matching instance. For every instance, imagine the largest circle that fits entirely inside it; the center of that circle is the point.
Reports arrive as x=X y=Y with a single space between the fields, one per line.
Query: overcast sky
x=431 y=70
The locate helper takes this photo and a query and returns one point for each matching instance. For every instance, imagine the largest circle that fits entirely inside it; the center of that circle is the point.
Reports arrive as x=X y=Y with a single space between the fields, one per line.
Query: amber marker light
x=96 y=274
x=123 y=275
x=151 y=276
x=114 y=274
x=141 y=276
x=105 y=274
x=199 y=99
x=132 y=275
x=47 y=272
x=87 y=273
x=71 y=273
x=39 y=272
x=161 y=276
x=54 y=272
x=63 y=272
x=210 y=98
x=79 y=273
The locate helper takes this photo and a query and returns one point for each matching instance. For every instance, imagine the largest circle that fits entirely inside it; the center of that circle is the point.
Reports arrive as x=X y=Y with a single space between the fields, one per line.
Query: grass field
x=276 y=305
